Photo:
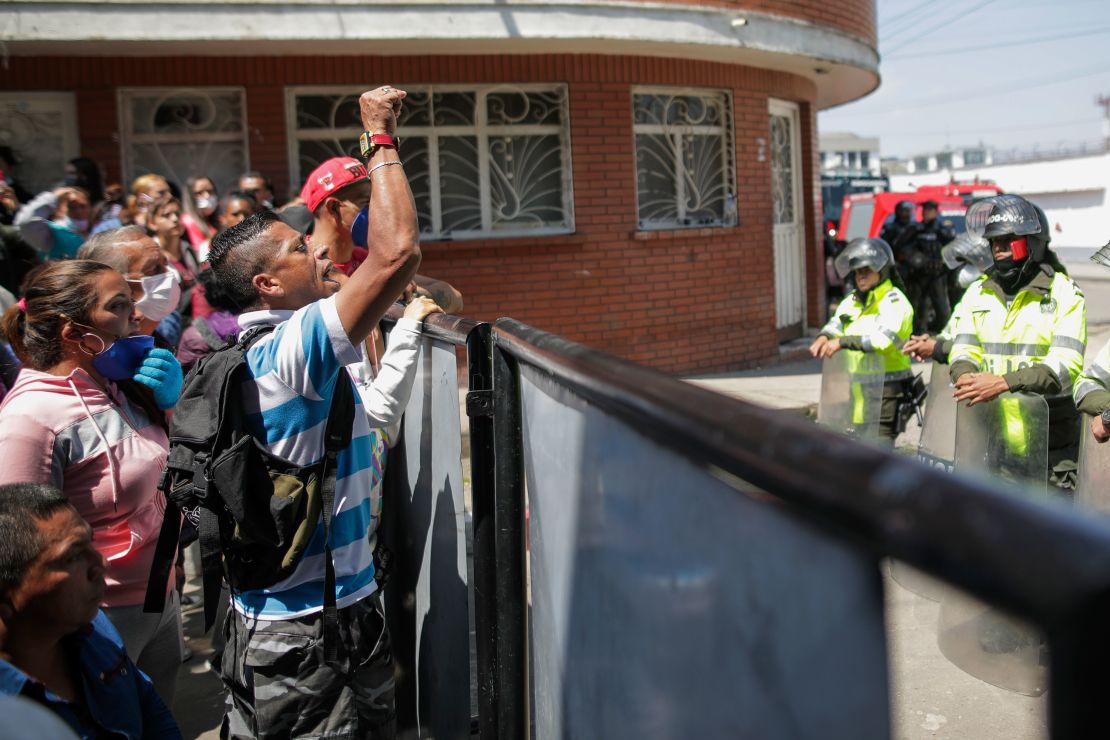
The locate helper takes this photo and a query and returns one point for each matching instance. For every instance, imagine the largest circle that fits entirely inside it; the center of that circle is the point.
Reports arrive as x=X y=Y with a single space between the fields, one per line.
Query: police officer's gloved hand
x=161 y=372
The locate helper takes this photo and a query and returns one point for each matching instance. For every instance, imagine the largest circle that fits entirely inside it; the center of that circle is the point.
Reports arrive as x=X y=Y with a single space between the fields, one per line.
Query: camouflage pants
x=280 y=687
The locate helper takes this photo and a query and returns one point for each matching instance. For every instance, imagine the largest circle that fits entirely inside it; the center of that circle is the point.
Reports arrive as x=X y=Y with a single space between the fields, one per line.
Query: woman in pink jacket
x=102 y=442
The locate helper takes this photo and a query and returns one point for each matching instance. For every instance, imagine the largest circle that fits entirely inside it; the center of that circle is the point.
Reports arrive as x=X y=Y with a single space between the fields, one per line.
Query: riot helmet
x=864 y=252
x=903 y=208
x=967 y=249
x=1011 y=215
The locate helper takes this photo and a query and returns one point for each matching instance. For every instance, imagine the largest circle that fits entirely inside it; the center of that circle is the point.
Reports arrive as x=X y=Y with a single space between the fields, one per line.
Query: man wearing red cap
x=335 y=193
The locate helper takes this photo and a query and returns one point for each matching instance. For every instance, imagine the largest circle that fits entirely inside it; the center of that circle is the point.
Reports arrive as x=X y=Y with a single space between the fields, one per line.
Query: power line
x=1019 y=42
x=943 y=23
x=904 y=22
x=1001 y=87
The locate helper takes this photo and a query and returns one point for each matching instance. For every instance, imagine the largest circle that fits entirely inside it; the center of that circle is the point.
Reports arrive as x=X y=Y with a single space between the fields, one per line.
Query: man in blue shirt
x=280 y=684
x=56 y=647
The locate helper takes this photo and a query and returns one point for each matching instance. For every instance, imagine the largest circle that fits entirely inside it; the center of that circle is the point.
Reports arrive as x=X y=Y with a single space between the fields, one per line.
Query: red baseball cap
x=330 y=177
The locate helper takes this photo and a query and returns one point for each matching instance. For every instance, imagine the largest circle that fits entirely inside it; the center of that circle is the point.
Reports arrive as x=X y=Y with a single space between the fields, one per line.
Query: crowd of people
x=108 y=302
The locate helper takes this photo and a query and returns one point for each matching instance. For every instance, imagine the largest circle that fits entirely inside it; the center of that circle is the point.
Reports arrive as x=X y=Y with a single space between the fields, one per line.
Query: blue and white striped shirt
x=295 y=370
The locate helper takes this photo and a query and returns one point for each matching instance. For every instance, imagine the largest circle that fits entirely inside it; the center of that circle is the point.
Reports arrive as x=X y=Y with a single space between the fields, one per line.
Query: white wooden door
x=41 y=129
x=789 y=236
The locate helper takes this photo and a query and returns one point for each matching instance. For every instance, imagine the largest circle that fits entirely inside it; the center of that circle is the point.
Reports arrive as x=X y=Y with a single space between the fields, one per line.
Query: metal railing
x=535 y=398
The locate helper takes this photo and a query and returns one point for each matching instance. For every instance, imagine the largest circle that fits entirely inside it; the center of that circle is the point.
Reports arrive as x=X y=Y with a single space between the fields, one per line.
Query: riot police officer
x=968 y=257
x=903 y=219
x=1092 y=389
x=876 y=318
x=1023 y=327
x=918 y=250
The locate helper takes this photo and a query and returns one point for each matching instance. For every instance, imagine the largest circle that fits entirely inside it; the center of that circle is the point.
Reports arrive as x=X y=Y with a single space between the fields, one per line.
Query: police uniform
x=1034 y=340
x=879 y=322
x=1092 y=389
x=919 y=250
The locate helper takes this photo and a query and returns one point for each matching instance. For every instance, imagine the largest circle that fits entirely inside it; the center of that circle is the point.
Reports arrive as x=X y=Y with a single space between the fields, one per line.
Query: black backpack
x=255 y=512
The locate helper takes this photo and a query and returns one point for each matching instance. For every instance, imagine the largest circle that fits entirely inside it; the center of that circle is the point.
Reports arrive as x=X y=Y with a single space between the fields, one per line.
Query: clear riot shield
x=1006 y=438
x=1094 y=471
x=852 y=393
x=937 y=448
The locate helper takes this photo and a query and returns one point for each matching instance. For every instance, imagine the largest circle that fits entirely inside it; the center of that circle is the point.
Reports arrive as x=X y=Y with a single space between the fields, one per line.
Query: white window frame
x=728 y=154
x=67 y=103
x=481 y=130
x=128 y=138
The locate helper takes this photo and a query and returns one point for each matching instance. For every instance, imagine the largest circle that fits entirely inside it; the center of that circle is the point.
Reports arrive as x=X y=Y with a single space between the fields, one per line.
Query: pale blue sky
x=1009 y=73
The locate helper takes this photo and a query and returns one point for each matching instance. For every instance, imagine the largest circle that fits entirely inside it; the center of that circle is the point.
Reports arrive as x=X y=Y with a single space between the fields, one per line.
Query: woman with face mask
x=165 y=222
x=201 y=219
x=87 y=416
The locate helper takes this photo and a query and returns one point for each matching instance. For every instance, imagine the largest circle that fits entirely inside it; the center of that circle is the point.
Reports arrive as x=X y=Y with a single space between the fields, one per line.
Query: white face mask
x=207 y=205
x=160 y=294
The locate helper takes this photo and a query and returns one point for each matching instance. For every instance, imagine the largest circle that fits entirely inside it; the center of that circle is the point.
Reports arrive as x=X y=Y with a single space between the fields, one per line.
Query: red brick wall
x=683 y=301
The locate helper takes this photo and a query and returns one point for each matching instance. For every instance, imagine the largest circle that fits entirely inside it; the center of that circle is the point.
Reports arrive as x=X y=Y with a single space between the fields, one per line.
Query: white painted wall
x=1075 y=193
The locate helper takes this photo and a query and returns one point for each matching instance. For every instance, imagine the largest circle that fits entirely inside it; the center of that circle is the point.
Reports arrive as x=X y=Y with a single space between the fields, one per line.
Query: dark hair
x=215 y=294
x=252 y=174
x=89 y=173
x=20 y=540
x=231 y=195
x=236 y=256
x=929 y=204
x=60 y=292
x=105 y=247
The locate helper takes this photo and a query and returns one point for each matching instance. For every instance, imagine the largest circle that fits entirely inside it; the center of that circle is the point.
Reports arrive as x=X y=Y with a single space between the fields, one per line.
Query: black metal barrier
x=770 y=577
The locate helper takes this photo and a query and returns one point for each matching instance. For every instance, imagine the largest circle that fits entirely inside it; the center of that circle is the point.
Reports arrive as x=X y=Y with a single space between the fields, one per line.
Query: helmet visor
x=873 y=253
x=966 y=249
x=1001 y=215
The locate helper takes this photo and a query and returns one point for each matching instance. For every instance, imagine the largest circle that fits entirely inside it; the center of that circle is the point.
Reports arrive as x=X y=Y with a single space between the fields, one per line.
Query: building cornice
x=841 y=66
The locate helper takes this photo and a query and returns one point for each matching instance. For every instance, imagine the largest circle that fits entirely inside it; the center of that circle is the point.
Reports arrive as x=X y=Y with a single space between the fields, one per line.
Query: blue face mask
x=360 y=227
x=122 y=358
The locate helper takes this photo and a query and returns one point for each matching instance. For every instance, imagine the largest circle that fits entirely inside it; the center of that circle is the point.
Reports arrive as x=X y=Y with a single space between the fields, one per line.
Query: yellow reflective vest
x=1093 y=380
x=1044 y=324
x=883 y=322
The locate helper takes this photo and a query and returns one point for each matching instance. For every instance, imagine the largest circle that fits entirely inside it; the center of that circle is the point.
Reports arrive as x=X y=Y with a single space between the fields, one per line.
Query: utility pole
x=1104 y=102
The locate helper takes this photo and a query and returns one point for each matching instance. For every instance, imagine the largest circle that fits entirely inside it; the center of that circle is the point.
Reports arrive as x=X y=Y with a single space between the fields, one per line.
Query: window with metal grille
x=184 y=132
x=685 y=161
x=489 y=161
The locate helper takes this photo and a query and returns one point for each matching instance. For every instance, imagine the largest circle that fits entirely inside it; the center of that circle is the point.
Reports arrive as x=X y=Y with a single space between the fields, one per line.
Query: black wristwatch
x=1105 y=415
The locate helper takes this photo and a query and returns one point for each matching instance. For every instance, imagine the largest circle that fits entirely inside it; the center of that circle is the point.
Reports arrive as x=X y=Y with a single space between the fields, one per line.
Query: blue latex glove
x=171 y=328
x=161 y=372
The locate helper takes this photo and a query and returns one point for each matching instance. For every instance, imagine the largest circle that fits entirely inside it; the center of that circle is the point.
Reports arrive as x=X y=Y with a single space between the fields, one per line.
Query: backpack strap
x=337 y=435
x=206 y=520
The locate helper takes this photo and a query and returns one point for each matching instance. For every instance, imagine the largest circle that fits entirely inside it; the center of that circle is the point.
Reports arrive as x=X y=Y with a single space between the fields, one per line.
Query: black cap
x=930 y=204
x=297 y=217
